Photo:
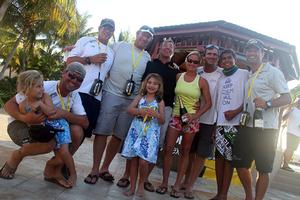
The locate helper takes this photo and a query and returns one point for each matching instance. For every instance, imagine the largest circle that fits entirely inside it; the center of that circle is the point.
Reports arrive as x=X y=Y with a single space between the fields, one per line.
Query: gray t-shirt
x=122 y=69
x=268 y=85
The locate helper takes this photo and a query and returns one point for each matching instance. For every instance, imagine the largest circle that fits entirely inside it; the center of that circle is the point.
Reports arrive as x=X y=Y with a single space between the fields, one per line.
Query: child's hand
x=59 y=113
x=151 y=113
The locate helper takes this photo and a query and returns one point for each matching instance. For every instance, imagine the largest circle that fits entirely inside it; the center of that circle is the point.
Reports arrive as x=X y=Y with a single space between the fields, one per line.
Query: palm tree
x=30 y=18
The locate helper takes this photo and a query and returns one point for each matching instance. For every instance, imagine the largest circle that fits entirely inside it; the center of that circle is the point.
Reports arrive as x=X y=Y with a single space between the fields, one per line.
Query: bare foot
x=129 y=193
x=72 y=180
x=59 y=180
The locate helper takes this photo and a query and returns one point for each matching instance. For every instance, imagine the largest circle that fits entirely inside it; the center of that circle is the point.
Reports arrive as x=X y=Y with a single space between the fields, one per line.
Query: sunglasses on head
x=196 y=62
x=73 y=77
x=211 y=46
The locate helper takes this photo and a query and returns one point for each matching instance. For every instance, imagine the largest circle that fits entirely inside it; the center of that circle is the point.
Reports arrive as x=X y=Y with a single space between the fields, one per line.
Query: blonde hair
x=197 y=53
x=27 y=79
x=159 y=92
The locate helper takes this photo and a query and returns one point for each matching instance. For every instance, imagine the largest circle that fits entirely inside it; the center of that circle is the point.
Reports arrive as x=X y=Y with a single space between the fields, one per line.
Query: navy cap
x=147 y=29
x=255 y=43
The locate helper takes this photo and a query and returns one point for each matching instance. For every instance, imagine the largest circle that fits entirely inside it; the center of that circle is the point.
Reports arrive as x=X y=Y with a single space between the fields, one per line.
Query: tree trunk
x=11 y=54
x=3 y=8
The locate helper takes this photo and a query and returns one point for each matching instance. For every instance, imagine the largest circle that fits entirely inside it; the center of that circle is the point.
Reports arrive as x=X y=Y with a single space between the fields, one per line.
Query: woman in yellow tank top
x=189 y=89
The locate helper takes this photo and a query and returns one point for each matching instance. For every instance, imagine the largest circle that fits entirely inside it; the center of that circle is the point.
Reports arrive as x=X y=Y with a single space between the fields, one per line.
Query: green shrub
x=7 y=89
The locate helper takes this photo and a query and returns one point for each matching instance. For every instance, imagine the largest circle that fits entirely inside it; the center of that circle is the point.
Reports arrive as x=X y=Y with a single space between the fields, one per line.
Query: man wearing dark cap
x=97 y=59
x=68 y=106
x=119 y=90
x=266 y=90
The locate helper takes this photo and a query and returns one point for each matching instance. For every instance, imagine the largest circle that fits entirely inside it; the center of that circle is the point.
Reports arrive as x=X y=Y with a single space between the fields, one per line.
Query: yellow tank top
x=189 y=92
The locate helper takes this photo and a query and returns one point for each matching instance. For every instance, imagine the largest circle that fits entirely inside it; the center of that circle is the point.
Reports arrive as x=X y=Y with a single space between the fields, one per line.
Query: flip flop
x=106 y=176
x=161 y=189
x=148 y=186
x=10 y=171
x=123 y=182
x=92 y=179
x=56 y=181
x=174 y=193
x=189 y=195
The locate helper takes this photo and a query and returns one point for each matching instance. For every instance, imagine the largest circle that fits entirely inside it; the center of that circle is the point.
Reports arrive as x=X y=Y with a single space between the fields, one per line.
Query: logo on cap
x=147 y=29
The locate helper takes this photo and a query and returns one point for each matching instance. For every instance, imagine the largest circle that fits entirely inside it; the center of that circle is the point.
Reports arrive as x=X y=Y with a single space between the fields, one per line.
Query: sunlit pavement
x=29 y=184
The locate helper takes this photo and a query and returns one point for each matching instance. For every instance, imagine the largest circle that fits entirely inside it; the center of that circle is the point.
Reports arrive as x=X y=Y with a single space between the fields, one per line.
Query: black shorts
x=292 y=142
x=203 y=143
x=255 y=144
x=18 y=133
x=92 y=108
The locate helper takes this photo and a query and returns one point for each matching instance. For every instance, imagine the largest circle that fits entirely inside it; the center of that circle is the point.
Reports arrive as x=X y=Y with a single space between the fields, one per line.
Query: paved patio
x=29 y=184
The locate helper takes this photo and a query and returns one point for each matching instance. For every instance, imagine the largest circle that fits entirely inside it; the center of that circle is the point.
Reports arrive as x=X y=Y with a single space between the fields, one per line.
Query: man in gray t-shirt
x=128 y=68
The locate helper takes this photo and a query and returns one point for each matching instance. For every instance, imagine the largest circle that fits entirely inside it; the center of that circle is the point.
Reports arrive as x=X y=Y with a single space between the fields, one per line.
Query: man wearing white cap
x=119 y=90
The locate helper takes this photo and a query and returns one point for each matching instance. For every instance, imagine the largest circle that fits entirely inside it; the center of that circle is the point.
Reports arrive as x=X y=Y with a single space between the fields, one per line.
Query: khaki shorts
x=292 y=142
x=113 y=118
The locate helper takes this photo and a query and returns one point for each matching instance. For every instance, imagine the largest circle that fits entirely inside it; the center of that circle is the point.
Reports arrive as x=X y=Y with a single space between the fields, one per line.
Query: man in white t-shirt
x=293 y=134
x=62 y=95
x=97 y=58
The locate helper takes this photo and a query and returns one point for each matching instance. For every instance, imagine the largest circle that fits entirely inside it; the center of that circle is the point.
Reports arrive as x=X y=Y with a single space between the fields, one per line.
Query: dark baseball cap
x=255 y=43
x=107 y=22
x=147 y=29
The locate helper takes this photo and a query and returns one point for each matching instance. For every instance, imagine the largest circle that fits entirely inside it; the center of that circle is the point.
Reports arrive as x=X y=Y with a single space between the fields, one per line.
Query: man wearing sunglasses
x=68 y=105
x=203 y=144
x=267 y=90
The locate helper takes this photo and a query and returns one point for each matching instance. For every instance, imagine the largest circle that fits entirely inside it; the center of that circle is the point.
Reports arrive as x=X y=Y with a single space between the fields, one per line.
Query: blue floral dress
x=143 y=136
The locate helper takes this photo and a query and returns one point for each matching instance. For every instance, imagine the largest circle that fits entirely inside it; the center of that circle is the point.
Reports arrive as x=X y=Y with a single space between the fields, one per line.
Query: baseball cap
x=147 y=29
x=255 y=43
x=76 y=67
x=107 y=22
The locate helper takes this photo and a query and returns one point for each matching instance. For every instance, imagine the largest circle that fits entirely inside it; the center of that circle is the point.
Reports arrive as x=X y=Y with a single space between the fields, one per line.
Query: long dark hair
x=159 y=92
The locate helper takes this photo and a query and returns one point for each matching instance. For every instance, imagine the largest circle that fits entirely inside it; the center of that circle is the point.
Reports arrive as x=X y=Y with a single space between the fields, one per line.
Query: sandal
x=7 y=172
x=106 y=176
x=148 y=186
x=91 y=179
x=189 y=195
x=174 y=193
x=161 y=189
x=123 y=182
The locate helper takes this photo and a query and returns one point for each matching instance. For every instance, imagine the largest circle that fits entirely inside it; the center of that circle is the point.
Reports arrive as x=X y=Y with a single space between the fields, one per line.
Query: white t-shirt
x=294 y=122
x=210 y=117
x=90 y=46
x=51 y=89
x=122 y=69
x=231 y=96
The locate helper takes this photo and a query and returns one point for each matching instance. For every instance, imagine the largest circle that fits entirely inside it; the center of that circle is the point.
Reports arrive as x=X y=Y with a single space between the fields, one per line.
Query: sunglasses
x=211 y=46
x=196 y=62
x=73 y=77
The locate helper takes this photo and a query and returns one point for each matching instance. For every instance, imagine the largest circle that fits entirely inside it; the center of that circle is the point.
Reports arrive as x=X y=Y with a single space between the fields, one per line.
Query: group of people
x=119 y=91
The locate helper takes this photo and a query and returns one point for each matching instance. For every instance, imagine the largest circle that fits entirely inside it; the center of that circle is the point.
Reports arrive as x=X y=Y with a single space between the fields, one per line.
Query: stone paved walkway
x=29 y=184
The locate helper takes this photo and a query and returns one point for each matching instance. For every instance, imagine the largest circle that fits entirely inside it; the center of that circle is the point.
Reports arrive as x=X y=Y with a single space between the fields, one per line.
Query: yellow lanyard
x=135 y=62
x=62 y=101
x=253 y=79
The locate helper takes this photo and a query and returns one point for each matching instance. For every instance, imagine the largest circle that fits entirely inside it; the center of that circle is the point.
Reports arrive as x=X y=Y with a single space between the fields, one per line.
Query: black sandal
x=123 y=182
x=93 y=179
x=148 y=186
x=106 y=176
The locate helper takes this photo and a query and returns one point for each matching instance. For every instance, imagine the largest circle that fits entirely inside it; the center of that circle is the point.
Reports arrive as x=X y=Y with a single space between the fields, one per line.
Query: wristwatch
x=87 y=60
x=269 y=104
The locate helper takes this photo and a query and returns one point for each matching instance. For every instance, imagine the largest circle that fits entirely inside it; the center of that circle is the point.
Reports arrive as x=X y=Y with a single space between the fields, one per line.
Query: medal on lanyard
x=245 y=115
x=68 y=108
x=130 y=84
x=96 y=87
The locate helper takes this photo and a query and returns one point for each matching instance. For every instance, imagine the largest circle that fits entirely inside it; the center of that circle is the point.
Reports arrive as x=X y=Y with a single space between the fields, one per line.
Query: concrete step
x=287 y=181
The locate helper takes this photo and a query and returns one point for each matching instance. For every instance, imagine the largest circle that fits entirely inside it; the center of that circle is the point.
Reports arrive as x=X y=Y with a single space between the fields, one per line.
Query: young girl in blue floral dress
x=142 y=141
